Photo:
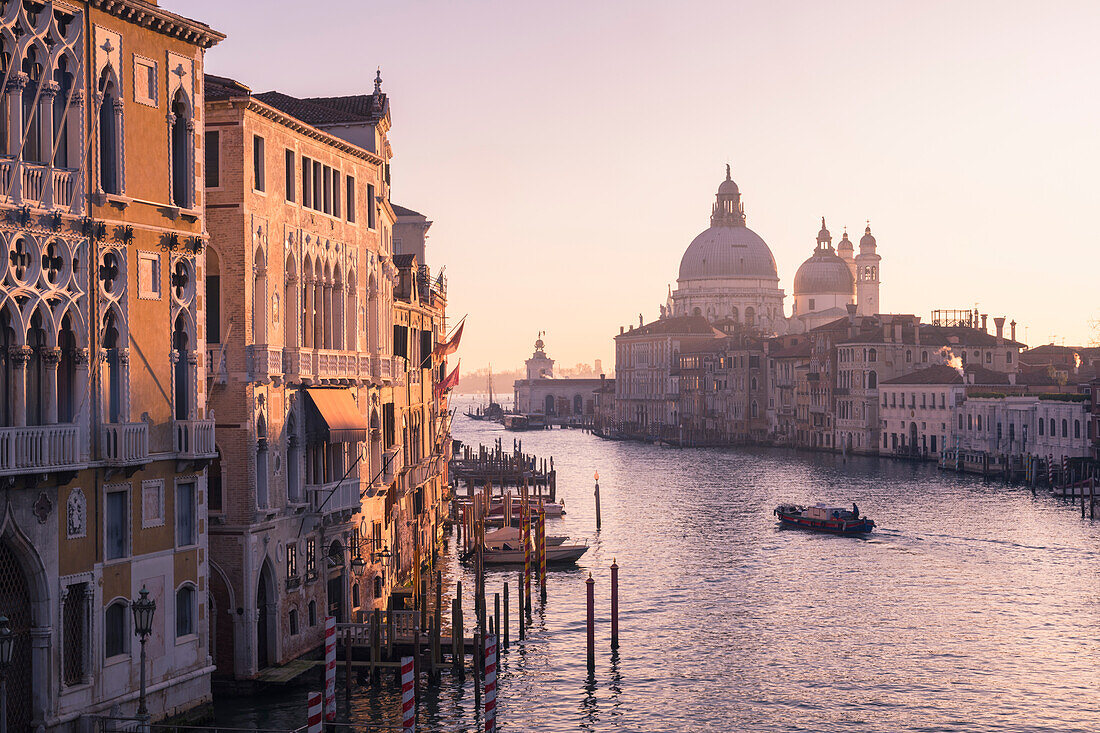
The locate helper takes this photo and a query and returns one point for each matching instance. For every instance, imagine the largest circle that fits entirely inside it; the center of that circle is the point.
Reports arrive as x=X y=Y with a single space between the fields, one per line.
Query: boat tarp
x=336 y=416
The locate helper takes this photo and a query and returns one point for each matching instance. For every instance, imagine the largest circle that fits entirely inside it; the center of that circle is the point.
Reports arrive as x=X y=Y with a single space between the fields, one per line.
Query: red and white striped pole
x=408 y=703
x=313 y=712
x=330 y=669
x=490 y=683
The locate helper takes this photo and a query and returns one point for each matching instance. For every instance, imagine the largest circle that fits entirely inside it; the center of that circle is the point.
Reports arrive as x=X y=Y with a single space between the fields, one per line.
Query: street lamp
x=6 y=644
x=144 y=608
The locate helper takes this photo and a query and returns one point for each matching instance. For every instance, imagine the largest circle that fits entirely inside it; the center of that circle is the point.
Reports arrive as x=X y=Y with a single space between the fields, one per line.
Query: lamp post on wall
x=6 y=644
x=144 y=608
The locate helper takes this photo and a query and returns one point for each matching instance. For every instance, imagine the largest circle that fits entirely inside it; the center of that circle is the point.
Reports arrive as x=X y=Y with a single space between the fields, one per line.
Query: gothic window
x=262 y=499
x=66 y=372
x=872 y=380
x=1053 y=431
x=293 y=618
x=31 y=122
x=7 y=371
x=61 y=99
x=114 y=368
x=872 y=355
x=76 y=665
x=1077 y=428
x=182 y=145
x=312 y=610
x=1041 y=424
x=214 y=483
x=110 y=153
x=116 y=629
x=1065 y=429
x=181 y=343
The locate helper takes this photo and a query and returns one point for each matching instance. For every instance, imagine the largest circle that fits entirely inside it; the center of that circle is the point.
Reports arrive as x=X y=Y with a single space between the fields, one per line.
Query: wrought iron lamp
x=144 y=608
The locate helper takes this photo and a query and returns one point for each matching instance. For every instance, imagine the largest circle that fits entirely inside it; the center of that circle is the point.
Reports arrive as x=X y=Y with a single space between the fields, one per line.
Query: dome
x=845 y=245
x=824 y=274
x=867 y=241
x=728 y=252
x=729 y=188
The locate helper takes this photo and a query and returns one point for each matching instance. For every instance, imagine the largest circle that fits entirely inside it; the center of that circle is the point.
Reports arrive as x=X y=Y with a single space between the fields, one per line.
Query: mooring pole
x=521 y=610
x=591 y=623
x=597 y=501
x=614 y=604
x=505 y=615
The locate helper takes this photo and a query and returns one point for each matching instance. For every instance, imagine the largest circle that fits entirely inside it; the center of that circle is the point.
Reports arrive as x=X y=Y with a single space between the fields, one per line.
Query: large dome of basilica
x=728 y=251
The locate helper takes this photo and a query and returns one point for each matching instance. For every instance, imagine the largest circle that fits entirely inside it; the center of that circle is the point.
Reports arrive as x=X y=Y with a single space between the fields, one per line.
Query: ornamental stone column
x=14 y=90
x=50 y=359
x=20 y=357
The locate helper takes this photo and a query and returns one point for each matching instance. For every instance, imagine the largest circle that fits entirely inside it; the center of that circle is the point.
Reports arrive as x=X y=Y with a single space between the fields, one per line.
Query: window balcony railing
x=332 y=364
x=215 y=364
x=335 y=496
x=398 y=370
x=298 y=362
x=38 y=448
x=394 y=461
x=125 y=444
x=264 y=362
x=194 y=438
x=39 y=185
x=384 y=368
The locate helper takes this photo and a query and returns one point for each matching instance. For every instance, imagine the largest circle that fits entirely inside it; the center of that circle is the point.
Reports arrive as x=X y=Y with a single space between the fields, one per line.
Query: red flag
x=451 y=346
x=449 y=383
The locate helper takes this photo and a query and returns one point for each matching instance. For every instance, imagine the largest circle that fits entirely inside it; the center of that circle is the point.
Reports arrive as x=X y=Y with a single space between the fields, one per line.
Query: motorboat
x=557 y=555
x=511 y=537
x=824 y=518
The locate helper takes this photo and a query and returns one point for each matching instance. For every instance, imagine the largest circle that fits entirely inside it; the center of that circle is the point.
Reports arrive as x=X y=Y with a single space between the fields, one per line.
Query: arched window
x=1053 y=429
x=7 y=371
x=355 y=595
x=1042 y=422
x=36 y=372
x=181 y=343
x=872 y=355
x=908 y=355
x=185 y=610
x=734 y=315
x=924 y=357
x=262 y=499
x=64 y=80
x=752 y=384
x=182 y=144
x=754 y=409
x=960 y=422
x=312 y=613
x=969 y=422
x=259 y=298
x=378 y=586
x=110 y=175
x=1077 y=428
x=1065 y=428
x=750 y=316
x=292 y=312
x=114 y=368
x=872 y=379
x=116 y=629
x=66 y=372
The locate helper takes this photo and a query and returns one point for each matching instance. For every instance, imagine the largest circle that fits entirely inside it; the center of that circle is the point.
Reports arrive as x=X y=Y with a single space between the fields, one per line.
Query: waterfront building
x=300 y=292
x=605 y=404
x=412 y=522
x=1093 y=393
x=104 y=434
x=999 y=424
x=646 y=389
x=788 y=365
x=541 y=393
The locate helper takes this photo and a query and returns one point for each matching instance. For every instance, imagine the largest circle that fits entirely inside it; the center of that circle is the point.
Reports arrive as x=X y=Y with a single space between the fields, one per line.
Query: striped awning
x=336 y=416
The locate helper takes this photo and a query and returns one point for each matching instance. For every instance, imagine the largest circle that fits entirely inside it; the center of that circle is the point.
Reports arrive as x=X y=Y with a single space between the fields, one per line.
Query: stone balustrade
x=125 y=444
x=194 y=438
x=39 y=448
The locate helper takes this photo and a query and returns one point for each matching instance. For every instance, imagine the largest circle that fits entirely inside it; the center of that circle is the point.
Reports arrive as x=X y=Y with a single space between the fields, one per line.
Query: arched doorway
x=549 y=403
x=15 y=603
x=265 y=618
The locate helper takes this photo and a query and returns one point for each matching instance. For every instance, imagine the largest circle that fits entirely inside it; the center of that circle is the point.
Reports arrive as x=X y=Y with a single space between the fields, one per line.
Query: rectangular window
x=148 y=276
x=258 y=180
x=401 y=341
x=425 y=349
x=290 y=178
x=212 y=167
x=326 y=183
x=291 y=560
x=336 y=193
x=185 y=611
x=145 y=81
x=318 y=188
x=388 y=425
x=311 y=561
x=307 y=181
x=213 y=309
x=370 y=205
x=117 y=535
x=185 y=515
x=75 y=628
x=152 y=503
x=349 y=199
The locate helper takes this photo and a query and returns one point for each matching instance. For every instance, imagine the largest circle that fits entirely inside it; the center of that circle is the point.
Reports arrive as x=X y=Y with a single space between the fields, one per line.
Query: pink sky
x=568 y=152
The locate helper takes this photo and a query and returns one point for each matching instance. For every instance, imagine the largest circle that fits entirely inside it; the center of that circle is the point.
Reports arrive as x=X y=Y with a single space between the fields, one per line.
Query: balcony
x=215 y=364
x=335 y=496
x=331 y=364
x=39 y=186
x=399 y=370
x=420 y=473
x=264 y=363
x=298 y=363
x=383 y=368
x=394 y=461
x=193 y=439
x=39 y=448
x=125 y=444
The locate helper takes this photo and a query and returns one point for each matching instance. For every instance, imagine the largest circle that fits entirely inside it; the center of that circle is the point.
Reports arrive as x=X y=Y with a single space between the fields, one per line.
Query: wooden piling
x=520 y=612
x=416 y=665
x=347 y=661
x=437 y=638
x=614 y=604
x=597 y=501
x=458 y=642
x=496 y=614
x=376 y=647
x=591 y=622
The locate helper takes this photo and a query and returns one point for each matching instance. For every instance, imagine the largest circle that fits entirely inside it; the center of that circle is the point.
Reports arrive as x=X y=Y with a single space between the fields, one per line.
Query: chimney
x=1000 y=330
x=984 y=326
x=1013 y=331
x=621 y=329
x=886 y=330
x=603 y=377
x=851 y=320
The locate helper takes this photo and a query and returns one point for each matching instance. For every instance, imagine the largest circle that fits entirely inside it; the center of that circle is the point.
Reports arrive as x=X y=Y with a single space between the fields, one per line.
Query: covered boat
x=824 y=518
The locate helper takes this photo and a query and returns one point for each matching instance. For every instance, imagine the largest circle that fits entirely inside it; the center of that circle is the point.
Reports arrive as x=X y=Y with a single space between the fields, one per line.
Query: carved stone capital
x=51 y=357
x=192 y=357
x=123 y=356
x=118 y=103
x=17 y=82
x=80 y=357
x=291 y=279
x=49 y=89
x=174 y=356
x=20 y=355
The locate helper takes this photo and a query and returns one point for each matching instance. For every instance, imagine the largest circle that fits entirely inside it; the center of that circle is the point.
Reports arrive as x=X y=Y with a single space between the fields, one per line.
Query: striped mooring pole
x=490 y=683
x=542 y=551
x=408 y=703
x=1050 y=469
x=330 y=669
x=313 y=712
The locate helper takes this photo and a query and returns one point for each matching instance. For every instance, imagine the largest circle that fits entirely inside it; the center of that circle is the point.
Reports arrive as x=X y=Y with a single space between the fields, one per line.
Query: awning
x=336 y=416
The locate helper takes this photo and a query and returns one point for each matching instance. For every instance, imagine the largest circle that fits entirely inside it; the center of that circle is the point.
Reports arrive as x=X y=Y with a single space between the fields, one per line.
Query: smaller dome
x=845 y=245
x=823 y=235
x=867 y=241
x=728 y=188
x=824 y=274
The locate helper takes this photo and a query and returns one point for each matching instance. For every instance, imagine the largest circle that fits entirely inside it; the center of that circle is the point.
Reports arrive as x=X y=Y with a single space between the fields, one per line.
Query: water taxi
x=824 y=518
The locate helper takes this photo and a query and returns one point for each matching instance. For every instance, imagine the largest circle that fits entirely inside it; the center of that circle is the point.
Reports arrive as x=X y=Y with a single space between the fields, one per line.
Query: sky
x=569 y=151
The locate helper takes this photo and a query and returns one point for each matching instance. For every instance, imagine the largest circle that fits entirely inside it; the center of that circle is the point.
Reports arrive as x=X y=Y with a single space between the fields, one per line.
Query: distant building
x=543 y=394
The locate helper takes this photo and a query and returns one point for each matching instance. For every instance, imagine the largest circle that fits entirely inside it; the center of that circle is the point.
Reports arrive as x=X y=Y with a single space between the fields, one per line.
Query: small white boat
x=554 y=555
x=511 y=537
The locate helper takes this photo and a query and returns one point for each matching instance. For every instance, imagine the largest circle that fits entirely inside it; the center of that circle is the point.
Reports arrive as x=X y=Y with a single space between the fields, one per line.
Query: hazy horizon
x=568 y=153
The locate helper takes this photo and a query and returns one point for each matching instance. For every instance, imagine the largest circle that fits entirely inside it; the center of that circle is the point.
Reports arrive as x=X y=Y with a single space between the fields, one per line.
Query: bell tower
x=867 y=275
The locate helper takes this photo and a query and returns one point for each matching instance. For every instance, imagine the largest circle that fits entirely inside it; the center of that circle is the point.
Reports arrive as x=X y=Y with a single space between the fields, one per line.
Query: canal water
x=974 y=606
